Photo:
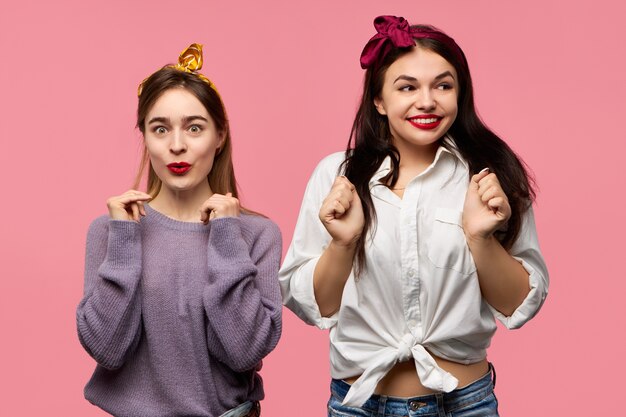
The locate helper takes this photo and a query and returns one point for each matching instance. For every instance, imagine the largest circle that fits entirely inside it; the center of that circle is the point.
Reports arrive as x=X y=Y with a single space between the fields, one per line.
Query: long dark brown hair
x=370 y=144
x=222 y=175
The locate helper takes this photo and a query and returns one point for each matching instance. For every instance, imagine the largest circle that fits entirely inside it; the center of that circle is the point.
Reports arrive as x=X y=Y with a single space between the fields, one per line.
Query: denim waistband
x=249 y=408
x=450 y=401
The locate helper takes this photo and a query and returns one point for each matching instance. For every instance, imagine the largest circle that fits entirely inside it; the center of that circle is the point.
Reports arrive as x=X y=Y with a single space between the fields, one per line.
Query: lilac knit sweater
x=178 y=315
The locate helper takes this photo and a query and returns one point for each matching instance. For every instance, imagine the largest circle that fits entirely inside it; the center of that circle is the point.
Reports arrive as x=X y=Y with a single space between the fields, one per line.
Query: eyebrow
x=413 y=79
x=185 y=119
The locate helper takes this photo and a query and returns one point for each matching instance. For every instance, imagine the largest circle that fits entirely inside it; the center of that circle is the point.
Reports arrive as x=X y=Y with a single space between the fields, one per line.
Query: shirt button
x=412 y=323
x=411 y=272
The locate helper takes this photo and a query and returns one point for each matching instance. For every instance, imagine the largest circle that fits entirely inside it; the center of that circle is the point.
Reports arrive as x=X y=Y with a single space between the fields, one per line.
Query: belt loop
x=441 y=411
x=382 y=404
x=493 y=374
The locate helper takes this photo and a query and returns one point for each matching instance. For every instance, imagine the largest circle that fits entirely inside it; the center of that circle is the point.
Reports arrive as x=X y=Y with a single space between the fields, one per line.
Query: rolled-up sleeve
x=526 y=251
x=309 y=240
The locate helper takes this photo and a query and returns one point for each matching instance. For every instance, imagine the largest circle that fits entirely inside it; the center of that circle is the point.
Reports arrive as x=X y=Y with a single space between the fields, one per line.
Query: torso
x=402 y=379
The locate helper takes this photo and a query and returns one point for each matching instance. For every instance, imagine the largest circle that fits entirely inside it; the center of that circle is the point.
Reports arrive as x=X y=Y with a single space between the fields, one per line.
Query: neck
x=182 y=205
x=414 y=159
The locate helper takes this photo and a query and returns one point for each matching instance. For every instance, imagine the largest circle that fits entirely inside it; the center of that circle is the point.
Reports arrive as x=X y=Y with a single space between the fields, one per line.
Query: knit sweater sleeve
x=109 y=315
x=242 y=297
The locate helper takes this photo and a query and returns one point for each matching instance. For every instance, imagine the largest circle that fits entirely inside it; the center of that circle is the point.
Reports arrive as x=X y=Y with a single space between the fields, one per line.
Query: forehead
x=177 y=102
x=419 y=63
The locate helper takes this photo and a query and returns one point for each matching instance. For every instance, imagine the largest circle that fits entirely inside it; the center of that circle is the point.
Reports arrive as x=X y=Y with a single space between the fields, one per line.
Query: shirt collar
x=448 y=147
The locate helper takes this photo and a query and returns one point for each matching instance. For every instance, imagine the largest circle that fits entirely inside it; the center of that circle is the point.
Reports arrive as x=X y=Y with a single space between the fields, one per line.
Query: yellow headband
x=190 y=60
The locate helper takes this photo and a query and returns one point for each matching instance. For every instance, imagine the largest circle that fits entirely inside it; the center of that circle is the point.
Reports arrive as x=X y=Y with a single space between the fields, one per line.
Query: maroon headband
x=396 y=32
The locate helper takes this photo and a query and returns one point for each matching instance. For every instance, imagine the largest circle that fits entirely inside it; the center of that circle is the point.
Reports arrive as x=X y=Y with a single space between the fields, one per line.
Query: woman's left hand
x=486 y=207
x=219 y=205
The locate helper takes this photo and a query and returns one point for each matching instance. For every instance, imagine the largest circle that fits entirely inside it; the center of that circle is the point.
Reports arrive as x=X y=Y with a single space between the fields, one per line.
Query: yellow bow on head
x=190 y=61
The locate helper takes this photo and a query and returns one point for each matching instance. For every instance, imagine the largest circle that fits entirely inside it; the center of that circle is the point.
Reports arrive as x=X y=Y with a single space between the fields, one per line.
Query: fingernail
x=483 y=170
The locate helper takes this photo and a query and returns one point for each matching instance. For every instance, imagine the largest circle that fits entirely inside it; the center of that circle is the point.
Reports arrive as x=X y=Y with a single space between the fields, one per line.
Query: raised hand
x=341 y=213
x=128 y=206
x=486 y=207
x=219 y=205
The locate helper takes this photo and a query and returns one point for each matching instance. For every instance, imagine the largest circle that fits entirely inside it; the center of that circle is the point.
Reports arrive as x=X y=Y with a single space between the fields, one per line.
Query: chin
x=178 y=186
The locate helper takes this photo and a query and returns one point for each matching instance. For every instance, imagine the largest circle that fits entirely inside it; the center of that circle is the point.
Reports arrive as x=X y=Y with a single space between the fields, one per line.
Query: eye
x=160 y=130
x=195 y=128
x=407 y=88
x=445 y=86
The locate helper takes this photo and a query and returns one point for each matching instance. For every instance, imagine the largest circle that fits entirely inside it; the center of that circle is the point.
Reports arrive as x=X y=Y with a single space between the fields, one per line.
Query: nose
x=425 y=100
x=178 y=144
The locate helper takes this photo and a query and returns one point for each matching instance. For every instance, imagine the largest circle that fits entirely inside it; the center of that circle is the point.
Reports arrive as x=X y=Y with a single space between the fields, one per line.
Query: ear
x=220 y=143
x=378 y=103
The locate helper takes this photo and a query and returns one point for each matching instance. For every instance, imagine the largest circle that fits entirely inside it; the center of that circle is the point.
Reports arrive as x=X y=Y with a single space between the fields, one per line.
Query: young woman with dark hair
x=181 y=299
x=412 y=241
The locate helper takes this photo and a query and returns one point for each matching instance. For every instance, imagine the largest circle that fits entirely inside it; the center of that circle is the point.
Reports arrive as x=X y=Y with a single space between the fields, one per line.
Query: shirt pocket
x=447 y=247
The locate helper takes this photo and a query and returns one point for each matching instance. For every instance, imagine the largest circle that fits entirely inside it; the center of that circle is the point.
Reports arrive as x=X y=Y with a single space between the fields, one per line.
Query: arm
x=331 y=273
x=513 y=286
x=319 y=260
x=526 y=253
x=242 y=297
x=503 y=280
x=341 y=214
x=109 y=315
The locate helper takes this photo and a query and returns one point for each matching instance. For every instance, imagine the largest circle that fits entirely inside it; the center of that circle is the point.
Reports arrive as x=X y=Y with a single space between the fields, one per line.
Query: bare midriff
x=402 y=379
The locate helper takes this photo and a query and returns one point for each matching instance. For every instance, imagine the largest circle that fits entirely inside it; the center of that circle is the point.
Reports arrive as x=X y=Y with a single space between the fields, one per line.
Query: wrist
x=348 y=247
x=480 y=241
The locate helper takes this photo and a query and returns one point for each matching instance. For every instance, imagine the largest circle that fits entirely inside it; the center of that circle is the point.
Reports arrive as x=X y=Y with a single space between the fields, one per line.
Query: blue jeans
x=247 y=409
x=474 y=400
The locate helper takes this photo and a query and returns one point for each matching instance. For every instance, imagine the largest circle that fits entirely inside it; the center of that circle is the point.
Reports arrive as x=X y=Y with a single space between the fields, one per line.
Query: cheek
x=154 y=154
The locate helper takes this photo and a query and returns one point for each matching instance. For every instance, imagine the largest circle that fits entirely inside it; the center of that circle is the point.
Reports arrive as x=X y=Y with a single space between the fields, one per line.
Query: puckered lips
x=425 y=121
x=179 y=168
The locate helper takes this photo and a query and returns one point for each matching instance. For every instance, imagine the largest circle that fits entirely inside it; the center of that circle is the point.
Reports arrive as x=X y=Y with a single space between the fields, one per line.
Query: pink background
x=549 y=77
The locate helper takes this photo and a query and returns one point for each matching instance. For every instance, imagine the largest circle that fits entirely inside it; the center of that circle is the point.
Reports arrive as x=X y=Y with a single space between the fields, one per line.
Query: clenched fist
x=486 y=207
x=342 y=213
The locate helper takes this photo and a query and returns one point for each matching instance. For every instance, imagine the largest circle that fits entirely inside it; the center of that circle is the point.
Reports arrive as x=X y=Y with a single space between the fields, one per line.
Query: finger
x=204 y=216
x=498 y=205
x=344 y=200
x=131 y=198
x=342 y=193
x=137 y=193
x=343 y=180
x=135 y=209
x=209 y=205
x=487 y=194
x=481 y=174
x=338 y=209
x=489 y=180
x=142 y=209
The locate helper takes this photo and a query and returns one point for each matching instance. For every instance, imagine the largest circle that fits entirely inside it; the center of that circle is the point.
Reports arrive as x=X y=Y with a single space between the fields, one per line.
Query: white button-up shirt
x=419 y=293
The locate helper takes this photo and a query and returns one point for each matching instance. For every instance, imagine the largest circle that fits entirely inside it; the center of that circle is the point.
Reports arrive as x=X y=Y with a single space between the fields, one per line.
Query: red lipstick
x=425 y=121
x=179 y=168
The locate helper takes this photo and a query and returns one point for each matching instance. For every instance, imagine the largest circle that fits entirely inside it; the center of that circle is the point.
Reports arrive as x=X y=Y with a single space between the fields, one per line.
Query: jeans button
x=415 y=405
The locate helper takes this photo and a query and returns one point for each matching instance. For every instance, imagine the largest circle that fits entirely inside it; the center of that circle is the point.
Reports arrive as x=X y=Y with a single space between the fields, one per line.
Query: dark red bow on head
x=390 y=29
x=396 y=32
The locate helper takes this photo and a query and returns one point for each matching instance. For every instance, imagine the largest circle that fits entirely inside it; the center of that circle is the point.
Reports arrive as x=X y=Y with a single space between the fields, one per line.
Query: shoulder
x=99 y=227
x=330 y=164
x=325 y=173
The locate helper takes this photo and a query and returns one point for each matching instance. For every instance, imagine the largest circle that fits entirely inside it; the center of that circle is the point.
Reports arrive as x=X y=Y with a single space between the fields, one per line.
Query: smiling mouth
x=425 y=122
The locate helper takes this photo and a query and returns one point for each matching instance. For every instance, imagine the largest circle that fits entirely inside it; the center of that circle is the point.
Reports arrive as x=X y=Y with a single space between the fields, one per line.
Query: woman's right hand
x=128 y=206
x=342 y=213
